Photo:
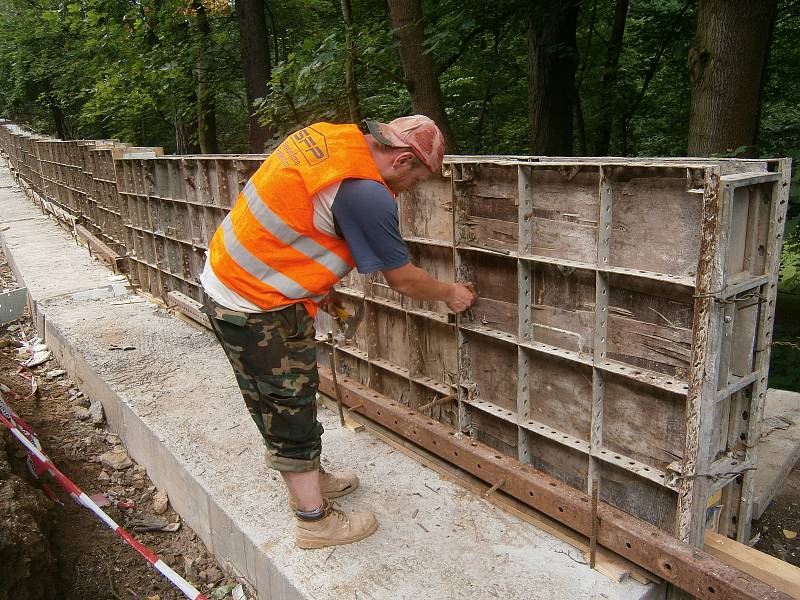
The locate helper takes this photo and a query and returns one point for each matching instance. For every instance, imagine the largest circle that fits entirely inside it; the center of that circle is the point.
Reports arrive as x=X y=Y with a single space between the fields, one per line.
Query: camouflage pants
x=274 y=358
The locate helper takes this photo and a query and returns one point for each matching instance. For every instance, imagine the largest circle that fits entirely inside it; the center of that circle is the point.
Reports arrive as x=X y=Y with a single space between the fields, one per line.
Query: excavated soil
x=779 y=526
x=52 y=551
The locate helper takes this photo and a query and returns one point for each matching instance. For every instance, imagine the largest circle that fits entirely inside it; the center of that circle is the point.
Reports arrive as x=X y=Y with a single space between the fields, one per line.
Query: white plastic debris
x=238 y=593
x=38 y=358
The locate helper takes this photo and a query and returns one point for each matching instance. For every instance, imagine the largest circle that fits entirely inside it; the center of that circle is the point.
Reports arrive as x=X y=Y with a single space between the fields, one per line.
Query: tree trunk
x=552 y=61
x=350 y=63
x=608 y=89
x=726 y=66
x=59 y=120
x=421 y=80
x=257 y=65
x=184 y=132
x=206 y=102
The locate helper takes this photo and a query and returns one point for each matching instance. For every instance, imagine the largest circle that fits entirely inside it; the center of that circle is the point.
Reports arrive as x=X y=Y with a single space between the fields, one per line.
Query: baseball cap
x=418 y=133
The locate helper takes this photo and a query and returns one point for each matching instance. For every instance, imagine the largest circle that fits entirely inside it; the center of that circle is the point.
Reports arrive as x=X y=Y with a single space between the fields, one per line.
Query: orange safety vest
x=267 y=249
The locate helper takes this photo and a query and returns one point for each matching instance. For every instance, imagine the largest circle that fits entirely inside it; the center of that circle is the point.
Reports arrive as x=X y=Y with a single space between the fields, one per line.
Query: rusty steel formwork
x=170 y=208
x=620 y=340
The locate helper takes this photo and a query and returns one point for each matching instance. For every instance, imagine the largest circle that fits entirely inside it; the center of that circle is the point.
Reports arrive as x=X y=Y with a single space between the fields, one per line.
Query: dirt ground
x=779 y=526
x=63 y=552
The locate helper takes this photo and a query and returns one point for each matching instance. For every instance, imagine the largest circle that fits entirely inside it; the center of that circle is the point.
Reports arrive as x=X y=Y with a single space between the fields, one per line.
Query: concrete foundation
x=173 y=400
x=779 y=448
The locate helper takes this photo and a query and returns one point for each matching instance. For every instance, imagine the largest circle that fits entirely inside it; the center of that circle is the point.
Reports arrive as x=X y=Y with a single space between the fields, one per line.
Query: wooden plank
x=773 y=571
x=742 y=179
x=656 y=222
x=643 y=423
x=493 y=377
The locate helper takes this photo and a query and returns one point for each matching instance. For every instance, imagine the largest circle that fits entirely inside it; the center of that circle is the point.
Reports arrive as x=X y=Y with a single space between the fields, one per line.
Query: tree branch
x=588 y=46
x=390 y=74
x=464 y=44
x=651 y=72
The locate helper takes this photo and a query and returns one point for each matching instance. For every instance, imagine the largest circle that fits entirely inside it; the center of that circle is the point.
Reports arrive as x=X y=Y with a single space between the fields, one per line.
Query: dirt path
x=64 y=552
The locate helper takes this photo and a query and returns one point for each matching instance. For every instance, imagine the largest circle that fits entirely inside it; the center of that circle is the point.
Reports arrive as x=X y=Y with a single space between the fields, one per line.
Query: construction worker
x=320 y=205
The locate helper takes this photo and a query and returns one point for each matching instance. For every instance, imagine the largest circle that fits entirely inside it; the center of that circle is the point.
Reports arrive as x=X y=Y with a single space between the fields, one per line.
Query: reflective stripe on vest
x=259 y=270
x=273 y=223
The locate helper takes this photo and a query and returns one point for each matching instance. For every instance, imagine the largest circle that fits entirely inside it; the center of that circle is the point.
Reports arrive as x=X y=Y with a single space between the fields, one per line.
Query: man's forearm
x=420 y=285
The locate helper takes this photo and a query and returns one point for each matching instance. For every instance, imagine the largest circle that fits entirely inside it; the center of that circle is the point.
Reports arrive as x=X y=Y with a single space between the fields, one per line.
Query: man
x=321 y=204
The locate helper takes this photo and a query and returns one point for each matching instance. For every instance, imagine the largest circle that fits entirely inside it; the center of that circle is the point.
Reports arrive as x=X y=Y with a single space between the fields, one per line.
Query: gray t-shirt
x=365 y=215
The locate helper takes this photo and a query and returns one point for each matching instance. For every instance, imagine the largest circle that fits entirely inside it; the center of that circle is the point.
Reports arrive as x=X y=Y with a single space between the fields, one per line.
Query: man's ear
x=403 y=160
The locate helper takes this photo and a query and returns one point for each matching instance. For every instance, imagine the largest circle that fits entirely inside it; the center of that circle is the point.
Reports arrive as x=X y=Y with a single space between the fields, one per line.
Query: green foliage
x=107 y=68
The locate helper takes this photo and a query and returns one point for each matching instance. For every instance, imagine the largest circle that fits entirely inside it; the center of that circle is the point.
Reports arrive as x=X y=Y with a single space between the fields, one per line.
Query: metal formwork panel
x=611 y=292
x=170 y=208
x=621 y=335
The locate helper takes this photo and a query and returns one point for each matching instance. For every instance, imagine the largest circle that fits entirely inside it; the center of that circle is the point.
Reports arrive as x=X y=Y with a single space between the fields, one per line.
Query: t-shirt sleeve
x=365 y=215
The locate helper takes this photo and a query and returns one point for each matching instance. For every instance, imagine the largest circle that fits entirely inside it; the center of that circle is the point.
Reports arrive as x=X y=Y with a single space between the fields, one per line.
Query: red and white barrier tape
x=42 y=463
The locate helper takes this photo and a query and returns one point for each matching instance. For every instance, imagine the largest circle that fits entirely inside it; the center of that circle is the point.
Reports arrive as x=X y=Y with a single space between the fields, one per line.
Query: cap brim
x=375 y=129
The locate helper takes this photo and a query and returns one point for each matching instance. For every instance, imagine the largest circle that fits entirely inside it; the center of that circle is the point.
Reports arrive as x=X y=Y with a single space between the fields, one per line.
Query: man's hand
x=330 y=304
x=417 y=283
x=461 y=297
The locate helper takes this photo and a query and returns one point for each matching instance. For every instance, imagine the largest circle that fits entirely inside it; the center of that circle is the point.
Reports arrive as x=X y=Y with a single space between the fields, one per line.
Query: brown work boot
x=335 y=485
x=332 y=485
x=334 y=528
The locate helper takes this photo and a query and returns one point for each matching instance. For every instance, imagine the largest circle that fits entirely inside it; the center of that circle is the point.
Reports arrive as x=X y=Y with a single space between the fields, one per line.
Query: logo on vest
x=311 y=144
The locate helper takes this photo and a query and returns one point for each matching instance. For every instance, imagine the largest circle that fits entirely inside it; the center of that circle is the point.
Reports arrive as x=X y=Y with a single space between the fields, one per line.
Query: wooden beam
x=692 y=570
x=777 y=573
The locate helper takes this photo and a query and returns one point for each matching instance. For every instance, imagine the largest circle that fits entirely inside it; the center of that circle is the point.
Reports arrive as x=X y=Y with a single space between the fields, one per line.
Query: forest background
x=570 y=77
